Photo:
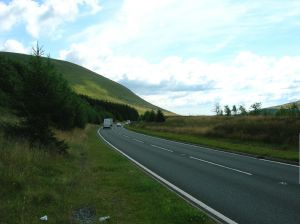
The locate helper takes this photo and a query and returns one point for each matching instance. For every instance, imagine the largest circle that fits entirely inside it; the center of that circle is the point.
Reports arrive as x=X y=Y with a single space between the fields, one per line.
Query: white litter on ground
x=44 y=218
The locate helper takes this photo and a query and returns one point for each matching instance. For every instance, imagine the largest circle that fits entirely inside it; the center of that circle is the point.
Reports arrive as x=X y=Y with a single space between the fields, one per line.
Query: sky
x=184 y=56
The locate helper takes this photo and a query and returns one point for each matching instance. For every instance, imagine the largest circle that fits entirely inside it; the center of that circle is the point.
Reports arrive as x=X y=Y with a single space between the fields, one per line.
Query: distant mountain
x=286 y=105
x=89 y=83
x=273 y=110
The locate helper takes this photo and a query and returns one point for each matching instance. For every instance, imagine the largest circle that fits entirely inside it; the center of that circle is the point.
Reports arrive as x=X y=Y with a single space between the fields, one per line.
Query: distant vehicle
x=127 y=122
x=119 y=125
x=107 y=123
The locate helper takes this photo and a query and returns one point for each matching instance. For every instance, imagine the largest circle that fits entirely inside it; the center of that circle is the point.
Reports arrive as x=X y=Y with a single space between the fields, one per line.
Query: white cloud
x=175 y=83
x=12 y=45
x=44 y=17
x=247 y=77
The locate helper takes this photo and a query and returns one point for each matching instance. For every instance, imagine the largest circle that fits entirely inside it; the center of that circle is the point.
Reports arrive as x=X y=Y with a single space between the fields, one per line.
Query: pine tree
x=160 y=116
x=234 y=110
x=227 y=110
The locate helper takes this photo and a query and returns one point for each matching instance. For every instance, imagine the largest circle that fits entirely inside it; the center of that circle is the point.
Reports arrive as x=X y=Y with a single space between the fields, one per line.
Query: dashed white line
x=226 y=167
x=283 y=183
x=134 y=139
x=156 y=146
x=126 y=136
x=222 y=151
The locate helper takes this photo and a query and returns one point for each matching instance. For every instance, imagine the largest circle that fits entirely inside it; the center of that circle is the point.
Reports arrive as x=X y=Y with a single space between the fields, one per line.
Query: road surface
x=233 y=188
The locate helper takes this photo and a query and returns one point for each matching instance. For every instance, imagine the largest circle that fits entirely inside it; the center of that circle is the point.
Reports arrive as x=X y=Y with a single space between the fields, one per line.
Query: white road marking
x=271 y=161
x=199 y=147
x=134 y=139
x=283 y=183
x=156 y=146
x=226 y=167
x=176 y=189
x=126 y=136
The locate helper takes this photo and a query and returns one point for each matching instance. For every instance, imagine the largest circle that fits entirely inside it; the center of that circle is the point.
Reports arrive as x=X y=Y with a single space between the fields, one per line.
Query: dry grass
x=282 y=131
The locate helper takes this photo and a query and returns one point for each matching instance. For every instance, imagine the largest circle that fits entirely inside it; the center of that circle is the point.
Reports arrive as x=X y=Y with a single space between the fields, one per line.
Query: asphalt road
x=243 y=189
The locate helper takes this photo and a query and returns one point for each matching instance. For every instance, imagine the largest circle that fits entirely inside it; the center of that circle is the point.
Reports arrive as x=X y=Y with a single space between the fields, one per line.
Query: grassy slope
x=92 y=84
x=194 y=130
x=35 y=183
x=287 y=105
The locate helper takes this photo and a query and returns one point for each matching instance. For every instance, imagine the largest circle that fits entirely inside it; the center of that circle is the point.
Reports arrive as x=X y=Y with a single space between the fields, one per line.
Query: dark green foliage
x=160 y=116
x=45 y=100
x=227 y=110
x=151 y=116
x=242 y=110
x=145 y=116
x=234 y=110
x=255 y=108
x=117 y=111
x=11 y=78
x=292 y=111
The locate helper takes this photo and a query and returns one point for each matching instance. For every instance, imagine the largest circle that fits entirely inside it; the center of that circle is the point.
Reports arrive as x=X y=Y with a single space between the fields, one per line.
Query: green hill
x=89 y=83
x=286 y=105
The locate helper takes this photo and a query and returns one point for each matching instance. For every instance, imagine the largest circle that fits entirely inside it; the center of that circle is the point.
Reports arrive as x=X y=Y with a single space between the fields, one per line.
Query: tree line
x=152 y=116
x=43 y=100
x=256 y=109
x=120 y=112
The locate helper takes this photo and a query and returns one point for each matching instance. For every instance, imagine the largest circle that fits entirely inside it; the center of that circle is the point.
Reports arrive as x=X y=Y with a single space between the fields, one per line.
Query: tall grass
x=24 y=181
x=281 y=131
x=92 y=179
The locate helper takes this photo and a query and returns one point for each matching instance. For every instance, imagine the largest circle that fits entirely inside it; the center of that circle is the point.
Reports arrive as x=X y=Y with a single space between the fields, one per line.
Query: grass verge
x=92 y=181
x=256 y=149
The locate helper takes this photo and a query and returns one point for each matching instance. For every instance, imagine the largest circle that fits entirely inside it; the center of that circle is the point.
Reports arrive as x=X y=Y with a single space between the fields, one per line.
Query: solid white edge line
x=173 y=187
x=156 y=146
x=222 y=151
x=216 y=164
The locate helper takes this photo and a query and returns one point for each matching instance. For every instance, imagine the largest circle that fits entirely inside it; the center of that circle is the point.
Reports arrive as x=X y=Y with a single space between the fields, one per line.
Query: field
x=264 y=136
x=91 y=182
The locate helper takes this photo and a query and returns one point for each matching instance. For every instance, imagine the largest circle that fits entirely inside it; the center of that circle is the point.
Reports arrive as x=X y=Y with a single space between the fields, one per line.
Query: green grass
x=35 y=182
x=185 y=132
x=86 y=82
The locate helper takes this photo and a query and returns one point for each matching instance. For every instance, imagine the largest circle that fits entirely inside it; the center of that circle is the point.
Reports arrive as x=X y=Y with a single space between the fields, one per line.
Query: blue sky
x=184 y=56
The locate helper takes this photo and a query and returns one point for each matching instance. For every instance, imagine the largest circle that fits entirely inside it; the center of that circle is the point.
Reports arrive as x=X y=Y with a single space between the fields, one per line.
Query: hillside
x=89 y=83
x=286 y=105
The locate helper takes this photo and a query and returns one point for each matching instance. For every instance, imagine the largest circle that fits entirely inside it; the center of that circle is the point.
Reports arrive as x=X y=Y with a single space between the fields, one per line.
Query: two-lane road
x=232 y=187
